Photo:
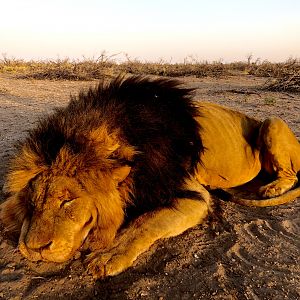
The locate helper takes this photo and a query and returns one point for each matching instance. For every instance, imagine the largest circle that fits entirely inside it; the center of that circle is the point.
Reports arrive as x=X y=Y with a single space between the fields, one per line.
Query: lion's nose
x=39 y=234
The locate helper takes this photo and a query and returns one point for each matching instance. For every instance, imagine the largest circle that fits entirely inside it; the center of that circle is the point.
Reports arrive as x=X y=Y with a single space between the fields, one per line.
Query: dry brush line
x=105 y=66
x=269 y=69
x=287 y=83
x=287 y=79
x=161 y=68
x=283 y=76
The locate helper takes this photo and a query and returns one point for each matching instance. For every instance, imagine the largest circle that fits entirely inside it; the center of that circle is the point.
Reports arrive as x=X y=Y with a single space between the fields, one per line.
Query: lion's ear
x=25 y=166
x=121 y=173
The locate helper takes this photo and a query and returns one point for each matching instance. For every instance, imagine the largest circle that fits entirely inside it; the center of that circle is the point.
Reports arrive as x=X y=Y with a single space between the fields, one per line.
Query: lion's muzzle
x=39 y=242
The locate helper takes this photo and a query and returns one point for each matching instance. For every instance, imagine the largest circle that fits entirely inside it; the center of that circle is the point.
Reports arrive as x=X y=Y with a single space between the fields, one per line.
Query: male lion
x=128 y=163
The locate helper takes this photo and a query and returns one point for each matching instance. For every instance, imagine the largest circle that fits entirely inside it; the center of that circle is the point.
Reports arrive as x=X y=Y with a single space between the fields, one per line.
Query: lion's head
x=56 y=206
x=62 y=214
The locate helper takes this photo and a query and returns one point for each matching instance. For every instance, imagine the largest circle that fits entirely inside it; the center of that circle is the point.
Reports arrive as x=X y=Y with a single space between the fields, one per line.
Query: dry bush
x=85 y=69
x=69 y=70
x=88 y=69
x=285 y=82
x=106 y=66
x=12 y=64
x=265 y=69
x=276 y=70
x=286 y=78
x=162 y=68
x=239 y=66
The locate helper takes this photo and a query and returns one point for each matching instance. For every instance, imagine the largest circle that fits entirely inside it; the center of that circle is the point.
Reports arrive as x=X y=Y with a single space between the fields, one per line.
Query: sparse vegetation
x=287 y=79
x=88 y=69
x=270 y=100
x=269 y=69
x=285 y=82
x=283 y=76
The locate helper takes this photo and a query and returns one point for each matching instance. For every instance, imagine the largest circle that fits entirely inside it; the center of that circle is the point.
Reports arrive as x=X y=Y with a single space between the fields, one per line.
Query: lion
x=132 y=161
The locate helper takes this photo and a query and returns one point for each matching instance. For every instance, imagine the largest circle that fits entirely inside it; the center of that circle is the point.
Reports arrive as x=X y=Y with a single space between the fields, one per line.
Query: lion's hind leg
x=145 y=230
x=280 y=156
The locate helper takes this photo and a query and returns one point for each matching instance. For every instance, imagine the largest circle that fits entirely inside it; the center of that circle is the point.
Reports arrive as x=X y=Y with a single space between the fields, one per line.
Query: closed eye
x=66 y=202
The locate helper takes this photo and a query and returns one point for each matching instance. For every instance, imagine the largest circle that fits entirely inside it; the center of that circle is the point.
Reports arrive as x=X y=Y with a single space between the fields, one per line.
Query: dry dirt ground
x=240 y=253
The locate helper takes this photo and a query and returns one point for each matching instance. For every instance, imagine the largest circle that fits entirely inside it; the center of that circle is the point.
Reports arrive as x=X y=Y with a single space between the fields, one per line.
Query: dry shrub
x=85 y=69
x=286 y=82
x=269 y=69
x=287 y=77
x=12 y=64
x=69 y=70
x=187 y=68
x=237 y=66
x=286 y=74
x=88 y=69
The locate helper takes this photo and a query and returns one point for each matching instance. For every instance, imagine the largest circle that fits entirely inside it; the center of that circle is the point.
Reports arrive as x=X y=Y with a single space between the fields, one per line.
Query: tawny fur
x=128 y=163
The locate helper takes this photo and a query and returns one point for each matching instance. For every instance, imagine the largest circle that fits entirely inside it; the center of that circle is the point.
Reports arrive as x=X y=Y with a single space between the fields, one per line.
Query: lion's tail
x=285 y=198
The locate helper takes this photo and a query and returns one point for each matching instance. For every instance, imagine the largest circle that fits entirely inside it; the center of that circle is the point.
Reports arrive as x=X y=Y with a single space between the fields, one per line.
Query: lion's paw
x=101 y=265
x=276 y=188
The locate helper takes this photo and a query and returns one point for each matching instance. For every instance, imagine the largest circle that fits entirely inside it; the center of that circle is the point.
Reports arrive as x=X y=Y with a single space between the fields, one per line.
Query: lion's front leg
x=280 y=156
x=144 y=231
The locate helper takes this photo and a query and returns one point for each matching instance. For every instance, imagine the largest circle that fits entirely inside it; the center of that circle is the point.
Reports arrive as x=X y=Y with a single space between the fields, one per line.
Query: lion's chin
x=50 y=255
x=58 y=256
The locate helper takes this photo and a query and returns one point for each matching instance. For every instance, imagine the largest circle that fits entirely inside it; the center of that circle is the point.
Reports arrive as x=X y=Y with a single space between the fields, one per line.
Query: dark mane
x=157 y=117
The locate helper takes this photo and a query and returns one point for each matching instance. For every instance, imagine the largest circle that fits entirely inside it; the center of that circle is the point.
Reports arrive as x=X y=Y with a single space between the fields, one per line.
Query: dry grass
x=283 y=76
x=88 y=69
x=268 y=69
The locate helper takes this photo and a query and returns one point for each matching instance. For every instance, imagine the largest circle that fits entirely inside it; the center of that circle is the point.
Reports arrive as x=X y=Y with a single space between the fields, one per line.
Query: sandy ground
x=239 y=253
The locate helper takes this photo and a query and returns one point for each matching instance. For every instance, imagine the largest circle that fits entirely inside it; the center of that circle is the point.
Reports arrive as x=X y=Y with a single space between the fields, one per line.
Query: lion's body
x=238 y=147
x=136 y=151
x=229 y=137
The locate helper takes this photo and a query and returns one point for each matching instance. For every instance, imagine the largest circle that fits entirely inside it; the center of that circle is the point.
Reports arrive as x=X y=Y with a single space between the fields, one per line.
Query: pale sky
x=151 y=30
